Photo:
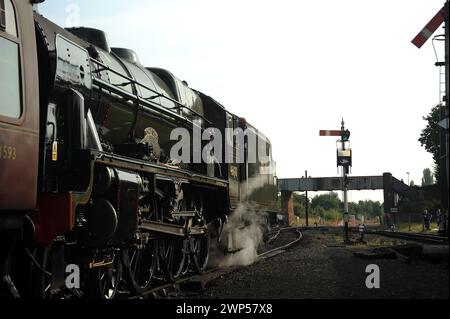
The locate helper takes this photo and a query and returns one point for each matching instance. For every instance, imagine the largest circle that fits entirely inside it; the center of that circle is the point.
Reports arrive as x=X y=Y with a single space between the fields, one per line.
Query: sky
x=292 y=68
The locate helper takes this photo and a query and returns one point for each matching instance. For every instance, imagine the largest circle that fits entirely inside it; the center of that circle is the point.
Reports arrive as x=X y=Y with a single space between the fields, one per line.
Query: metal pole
x=345 y=205
x=344 y=182
x=344 y=173
x=447 y=86
x=409 y=220
x=306 y=204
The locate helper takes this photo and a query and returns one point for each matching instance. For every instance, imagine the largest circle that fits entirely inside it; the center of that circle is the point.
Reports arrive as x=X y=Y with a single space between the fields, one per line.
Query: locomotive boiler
x=86 y=174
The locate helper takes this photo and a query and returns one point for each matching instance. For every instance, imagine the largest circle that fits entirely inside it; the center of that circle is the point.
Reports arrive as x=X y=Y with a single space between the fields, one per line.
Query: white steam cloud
x=243 y=233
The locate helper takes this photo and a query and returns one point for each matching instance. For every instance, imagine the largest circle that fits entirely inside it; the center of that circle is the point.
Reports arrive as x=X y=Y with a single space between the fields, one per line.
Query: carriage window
x=9 y=79
x=8 y=18
x=2 y=14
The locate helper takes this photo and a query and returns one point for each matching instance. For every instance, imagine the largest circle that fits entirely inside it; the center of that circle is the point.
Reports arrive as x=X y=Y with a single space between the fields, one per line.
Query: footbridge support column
x=287 y=205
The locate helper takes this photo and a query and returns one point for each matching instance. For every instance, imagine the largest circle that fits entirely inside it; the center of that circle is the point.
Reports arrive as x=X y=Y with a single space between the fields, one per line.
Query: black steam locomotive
x=86 y=172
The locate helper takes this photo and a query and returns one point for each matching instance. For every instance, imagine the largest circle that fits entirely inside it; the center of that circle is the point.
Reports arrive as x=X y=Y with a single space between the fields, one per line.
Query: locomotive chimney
x=127 y=55
x=93 y=36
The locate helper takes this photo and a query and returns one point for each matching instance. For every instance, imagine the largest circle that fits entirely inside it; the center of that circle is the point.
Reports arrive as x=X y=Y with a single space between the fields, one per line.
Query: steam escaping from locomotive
x=244 y=231
x=244 y=234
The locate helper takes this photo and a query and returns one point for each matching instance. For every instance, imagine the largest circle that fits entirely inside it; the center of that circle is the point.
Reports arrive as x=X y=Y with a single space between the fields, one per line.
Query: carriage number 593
x=8 y=152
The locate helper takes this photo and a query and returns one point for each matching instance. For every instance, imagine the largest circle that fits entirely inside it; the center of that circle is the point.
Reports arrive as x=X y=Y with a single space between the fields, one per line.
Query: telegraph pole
x=443 y=124
x=306 y=204
x=447 y=90
x=345 y=171
x=441 y=17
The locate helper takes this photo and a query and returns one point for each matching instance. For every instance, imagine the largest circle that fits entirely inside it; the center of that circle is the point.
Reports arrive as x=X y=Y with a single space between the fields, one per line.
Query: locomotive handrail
x=163 y=114
x=108 y=158
x=181 y=106
x=138 y=98
x=135 y=98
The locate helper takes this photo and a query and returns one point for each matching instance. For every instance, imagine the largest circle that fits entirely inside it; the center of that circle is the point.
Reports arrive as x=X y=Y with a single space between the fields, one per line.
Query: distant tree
x=430 y=137
x=299 y=204
x=428 y=178
x=331 y=215
x=354 y=208
x=367 y=208
x=327 y=201
x=412 y=184
x=330 y=207
x=376 y=209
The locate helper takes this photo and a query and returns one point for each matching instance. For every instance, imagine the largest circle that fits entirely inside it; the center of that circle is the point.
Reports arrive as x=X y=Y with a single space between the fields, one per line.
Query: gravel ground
x=321 y=268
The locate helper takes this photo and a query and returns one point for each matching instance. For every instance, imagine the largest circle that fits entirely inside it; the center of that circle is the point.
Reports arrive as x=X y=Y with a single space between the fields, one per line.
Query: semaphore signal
x=344 y=160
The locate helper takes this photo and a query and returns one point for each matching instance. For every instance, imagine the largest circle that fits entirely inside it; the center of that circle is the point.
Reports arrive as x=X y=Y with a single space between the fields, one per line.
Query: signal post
x=441 y=17
x=344 y=160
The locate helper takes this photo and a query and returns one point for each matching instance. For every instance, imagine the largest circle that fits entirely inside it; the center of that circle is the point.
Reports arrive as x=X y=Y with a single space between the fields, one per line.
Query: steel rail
x=287 y=246
x=426 y=238
x=222 y=271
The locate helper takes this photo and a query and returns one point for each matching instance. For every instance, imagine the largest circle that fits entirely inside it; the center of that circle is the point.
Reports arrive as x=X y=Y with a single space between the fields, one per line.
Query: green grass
x=415 y=227
x=370 y=242
x=401 y=227
x=302 y=222
x=312 y=220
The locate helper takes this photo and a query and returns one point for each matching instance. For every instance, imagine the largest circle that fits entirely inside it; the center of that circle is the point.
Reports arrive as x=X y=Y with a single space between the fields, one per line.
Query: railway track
x=212 y=274
x=270 y=252
x=424 y=238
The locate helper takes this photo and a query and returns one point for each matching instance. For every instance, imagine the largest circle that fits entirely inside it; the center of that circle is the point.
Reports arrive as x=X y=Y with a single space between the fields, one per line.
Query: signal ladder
x=442 y=83
x=441 y=65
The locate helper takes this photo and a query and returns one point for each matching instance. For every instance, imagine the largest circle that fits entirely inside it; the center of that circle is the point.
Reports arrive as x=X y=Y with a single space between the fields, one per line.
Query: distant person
x=439 y=219
x=362 y=230
x=392 y=227
x=445 y=221
x=387 y=219
x=426 y=220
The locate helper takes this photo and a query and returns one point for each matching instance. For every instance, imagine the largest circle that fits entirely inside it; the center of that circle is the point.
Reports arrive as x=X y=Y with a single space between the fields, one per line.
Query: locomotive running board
x=135 y=165
x=174 y=230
